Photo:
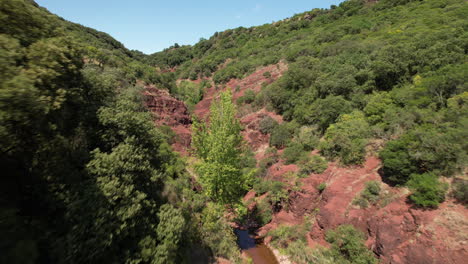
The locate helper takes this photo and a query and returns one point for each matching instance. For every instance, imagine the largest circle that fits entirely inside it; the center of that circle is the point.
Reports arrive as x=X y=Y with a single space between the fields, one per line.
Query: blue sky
x=151 y=26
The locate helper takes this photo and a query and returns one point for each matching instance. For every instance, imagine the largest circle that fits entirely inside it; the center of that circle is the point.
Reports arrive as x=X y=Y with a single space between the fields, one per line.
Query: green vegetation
x=267 y=125
x=348 y=246
x=321 y=187
x=293 y=153
x=308 y=137
x=428 y=191
x=346 y=139
x=247 y=98
x=291 y=241
x=219 y=148
x=314 y=164
x=264 y=212
x=370 y=194
x=189 y=92
x=217 y=232
x=460 y=190
x=88 y=178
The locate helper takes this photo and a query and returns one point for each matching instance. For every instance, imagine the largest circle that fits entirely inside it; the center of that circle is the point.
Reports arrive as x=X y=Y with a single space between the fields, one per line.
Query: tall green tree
x=218 y=145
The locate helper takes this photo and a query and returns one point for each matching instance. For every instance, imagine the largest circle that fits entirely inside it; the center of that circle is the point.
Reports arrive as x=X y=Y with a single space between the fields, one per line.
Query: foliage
x=460 y=190
x=291 y=241
x=280 y=136
x=428 y=191
x=347 y=139
x=347 y=245
x=314 y=164
x=79 y=147
x=218 y=146
x=264 y=212
x=293 y=153
x=247 y=98
x=189 y=92
x=423 y=149
x=267 y=125
x=217 y=233
x=321 y=187
x=370 y=194
x=308 y=137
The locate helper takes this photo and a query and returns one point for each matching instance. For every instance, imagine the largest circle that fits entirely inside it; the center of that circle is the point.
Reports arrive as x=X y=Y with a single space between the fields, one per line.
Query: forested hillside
x=336 y=136
x=83 y=167
x=392 y=71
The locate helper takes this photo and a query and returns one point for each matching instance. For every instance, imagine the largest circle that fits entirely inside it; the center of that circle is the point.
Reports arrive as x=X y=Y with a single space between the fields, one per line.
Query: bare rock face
x=171 y=112
x=167 y=110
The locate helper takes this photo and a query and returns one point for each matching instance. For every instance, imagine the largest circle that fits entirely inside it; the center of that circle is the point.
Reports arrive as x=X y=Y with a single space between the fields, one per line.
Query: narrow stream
x=259 y=252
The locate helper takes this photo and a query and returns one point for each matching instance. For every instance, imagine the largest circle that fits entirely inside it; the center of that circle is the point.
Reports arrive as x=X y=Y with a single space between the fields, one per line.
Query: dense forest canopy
x=84 y=167
x=88 y=178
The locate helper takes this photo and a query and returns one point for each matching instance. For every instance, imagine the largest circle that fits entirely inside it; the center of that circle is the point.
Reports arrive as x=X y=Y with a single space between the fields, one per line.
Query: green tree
x=348 y=246
x=347 y=138
x=427 y=190
x=219 y=148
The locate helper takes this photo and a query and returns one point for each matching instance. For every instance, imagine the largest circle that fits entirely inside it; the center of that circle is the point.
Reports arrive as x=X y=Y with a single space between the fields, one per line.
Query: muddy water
x=259 y=253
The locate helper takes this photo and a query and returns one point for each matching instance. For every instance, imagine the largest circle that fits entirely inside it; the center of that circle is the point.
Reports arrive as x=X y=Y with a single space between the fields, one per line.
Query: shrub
x=347 y=139
x=267 y=74
x=321 y=187
x=371 y=191
x=315 y=164
x=278 y=192
x=428 y=191
x=247 y=98
x=347 y=246
x=267 y=124
x=423 y=149
x=460 y=190
x=308 y=136
x=293 y=153
x=280 y=136
x=276 y=189
x=268 y=161
x=370 y=194
x=264 y=213
x=322 y=112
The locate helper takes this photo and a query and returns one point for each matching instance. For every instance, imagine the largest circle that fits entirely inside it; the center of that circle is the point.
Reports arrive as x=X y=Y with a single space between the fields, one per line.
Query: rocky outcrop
x=171 y=112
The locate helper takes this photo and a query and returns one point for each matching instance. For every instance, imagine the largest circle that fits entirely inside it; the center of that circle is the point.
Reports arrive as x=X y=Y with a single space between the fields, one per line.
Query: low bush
x=460 y=190
x=247 y=98
x=347 y=139
x=321 y=187
x=427 y=190
x=293 y=153
x=308 y=137
x=314 y=164
x=347 y=246
x=263 y=212
x=267 y=125
x=280 y=136
x=370 y=194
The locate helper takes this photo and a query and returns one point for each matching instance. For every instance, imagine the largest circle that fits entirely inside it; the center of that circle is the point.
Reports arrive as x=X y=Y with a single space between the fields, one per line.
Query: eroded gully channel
x=256 y=250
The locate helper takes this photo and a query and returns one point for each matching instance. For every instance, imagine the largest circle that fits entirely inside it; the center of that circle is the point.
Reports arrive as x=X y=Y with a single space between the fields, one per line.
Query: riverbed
x=256 y=250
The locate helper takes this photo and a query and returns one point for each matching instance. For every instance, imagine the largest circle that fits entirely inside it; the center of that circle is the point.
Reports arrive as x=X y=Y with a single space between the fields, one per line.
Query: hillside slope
x=379 y=89
x=346 y=143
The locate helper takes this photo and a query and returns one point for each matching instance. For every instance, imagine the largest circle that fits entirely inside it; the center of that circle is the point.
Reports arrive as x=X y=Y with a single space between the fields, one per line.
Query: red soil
x=170 y=112
x=397 y=232
x=252 y=82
